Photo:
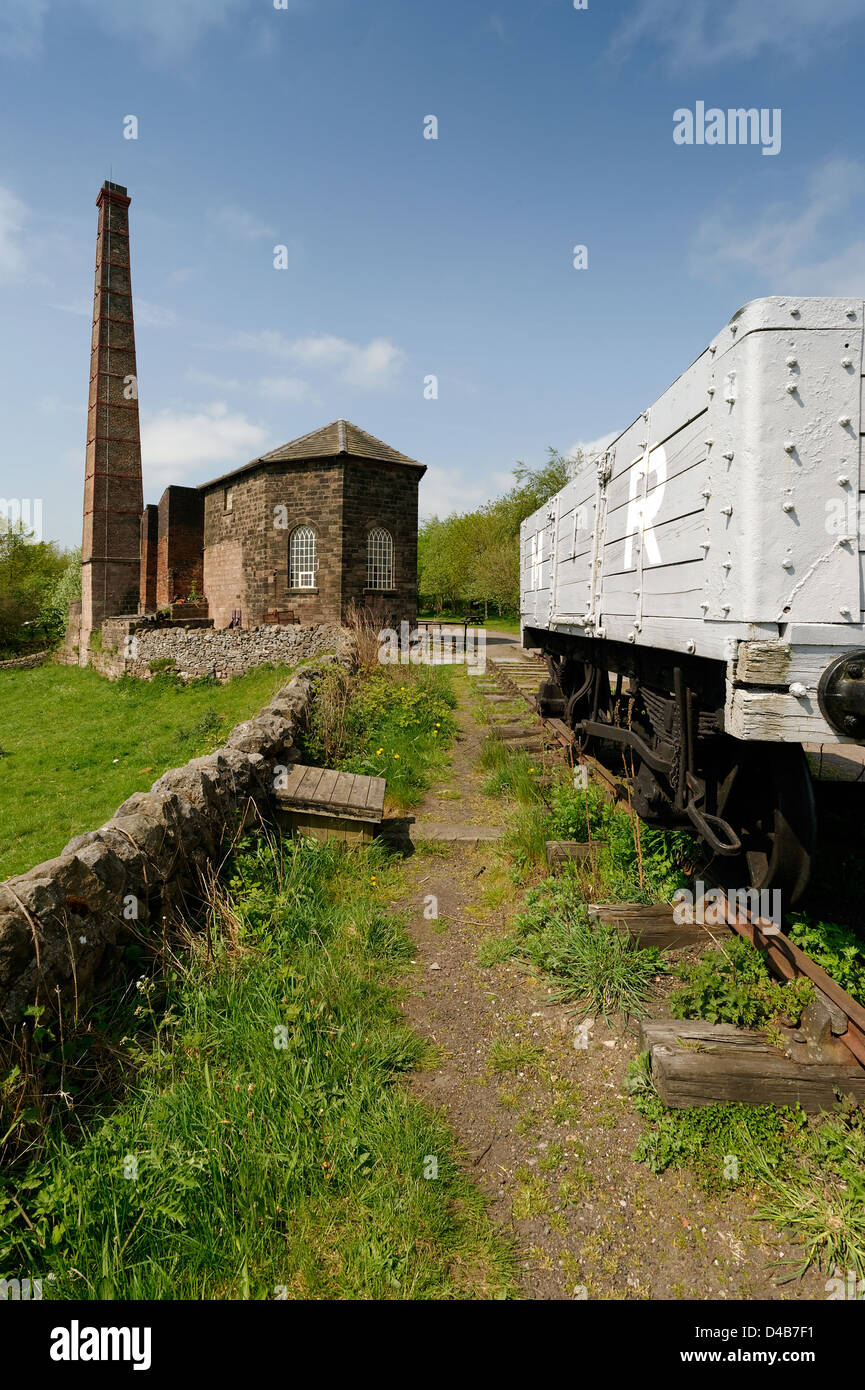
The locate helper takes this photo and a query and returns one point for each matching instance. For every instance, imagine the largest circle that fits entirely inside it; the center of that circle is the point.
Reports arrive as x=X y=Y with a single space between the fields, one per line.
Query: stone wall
x=197 y=650
x=65 y=925
x=246 y=547
x=25 y=663
x=378 y=495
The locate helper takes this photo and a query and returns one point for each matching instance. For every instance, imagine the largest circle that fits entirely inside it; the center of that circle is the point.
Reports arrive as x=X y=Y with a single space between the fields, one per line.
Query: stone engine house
x=305 y=533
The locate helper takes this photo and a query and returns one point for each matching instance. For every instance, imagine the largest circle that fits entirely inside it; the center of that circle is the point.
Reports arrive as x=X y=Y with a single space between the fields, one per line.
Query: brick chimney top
x=112 y=192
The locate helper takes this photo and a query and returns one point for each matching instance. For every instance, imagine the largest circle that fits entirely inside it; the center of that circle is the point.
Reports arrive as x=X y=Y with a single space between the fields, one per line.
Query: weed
x=837 y=949
x=513 y=1055
x=497 y=949
x=263 y=1140
x=597 y=966
x=733 y=985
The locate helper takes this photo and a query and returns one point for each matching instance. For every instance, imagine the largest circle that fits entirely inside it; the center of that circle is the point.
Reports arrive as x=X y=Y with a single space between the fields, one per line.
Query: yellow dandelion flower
x=396 y=755
x=378 y=752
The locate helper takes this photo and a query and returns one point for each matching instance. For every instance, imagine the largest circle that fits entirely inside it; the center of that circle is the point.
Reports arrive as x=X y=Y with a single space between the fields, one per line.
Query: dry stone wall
x=64 y=925
x=197 y=649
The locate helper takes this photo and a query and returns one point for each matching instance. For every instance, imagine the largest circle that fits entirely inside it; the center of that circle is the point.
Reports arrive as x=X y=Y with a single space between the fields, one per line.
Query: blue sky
x=407 y=257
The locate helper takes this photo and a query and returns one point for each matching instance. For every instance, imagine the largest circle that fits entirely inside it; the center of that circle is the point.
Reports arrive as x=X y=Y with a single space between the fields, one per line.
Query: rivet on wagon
x=790 y=446
x=711 y=391
x=791 y=388
x=798 y=690
x=691 y=647
x=787 y=564
x=843 y=480
x=725 y=607
x=727 y=511
x=704 y=606
x=728 y=455
x=844 y=420
x=851 y=313
x=792 y=361
x=707 y=493
x=795 y=314
x=632 y=636
x=708 y=443
x=846 y=361
x=788 y=506
x=845 y=612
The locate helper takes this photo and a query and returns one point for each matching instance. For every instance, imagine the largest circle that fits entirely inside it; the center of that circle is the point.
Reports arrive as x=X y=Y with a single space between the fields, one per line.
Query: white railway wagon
x=712 y=563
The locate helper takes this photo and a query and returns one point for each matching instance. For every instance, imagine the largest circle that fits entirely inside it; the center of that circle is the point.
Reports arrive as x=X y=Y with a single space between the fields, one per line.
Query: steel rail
x=783 y=955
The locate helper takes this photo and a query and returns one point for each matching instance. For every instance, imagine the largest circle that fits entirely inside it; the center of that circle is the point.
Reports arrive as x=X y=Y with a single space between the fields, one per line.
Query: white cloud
x=285 y=388
x=169 y=28
x=81 y=308
x=699 y=33
x=366 y=365
x=446 y=490
x=146 y=313
x=150 y=315
x=13 y=216
x=240 y=223
x=179 y=445
x=590 y=448
x=214 y=382
x=782 y=242
x=21 y=23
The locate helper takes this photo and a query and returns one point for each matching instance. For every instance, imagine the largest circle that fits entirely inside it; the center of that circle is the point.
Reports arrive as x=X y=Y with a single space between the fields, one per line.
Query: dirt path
x=547 y=1128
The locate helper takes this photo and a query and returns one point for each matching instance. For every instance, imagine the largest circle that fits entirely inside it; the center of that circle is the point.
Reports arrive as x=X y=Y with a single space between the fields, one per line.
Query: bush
x=837 y=949
x=733 y=985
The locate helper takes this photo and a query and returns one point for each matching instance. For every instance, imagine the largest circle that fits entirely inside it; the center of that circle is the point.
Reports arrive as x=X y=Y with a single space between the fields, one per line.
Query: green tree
x=476 y=555
x=29 y=571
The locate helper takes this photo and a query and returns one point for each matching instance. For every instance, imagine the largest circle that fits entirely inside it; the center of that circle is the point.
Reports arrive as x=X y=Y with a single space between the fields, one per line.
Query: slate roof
x=339 y=437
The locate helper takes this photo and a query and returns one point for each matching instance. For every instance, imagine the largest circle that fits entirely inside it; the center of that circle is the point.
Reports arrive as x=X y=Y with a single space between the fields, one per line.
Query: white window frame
x=379 y=559
x=302 y=558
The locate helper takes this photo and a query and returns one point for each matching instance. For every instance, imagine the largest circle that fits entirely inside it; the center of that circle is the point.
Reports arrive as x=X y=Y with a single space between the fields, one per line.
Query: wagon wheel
x=768 y=798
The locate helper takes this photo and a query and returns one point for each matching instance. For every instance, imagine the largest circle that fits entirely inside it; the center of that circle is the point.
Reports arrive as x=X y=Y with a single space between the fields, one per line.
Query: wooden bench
x=282 y=617
x=330 y=805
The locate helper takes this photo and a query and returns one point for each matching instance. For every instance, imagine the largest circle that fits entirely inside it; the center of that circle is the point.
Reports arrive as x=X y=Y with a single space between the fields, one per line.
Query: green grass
x=76 y=745
x=596 y=968
x=265 y=1146
x=396 y=722
x=509 y=623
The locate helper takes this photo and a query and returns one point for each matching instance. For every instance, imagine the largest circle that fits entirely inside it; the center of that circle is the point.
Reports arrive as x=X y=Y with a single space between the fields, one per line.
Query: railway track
x=785 y=958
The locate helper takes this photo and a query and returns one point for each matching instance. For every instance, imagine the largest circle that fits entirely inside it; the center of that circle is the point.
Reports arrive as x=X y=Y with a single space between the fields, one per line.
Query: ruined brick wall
x=229 y=543
x=180 y=550
x=380 y=495
x=149 y=543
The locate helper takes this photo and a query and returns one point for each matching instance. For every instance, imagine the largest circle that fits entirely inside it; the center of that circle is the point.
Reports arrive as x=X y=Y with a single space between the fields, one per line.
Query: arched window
x=302 y=558
x=379 y=559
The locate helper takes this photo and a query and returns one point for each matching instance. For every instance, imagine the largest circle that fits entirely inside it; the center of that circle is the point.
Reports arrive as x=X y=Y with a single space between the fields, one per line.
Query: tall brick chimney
x=113 y=497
